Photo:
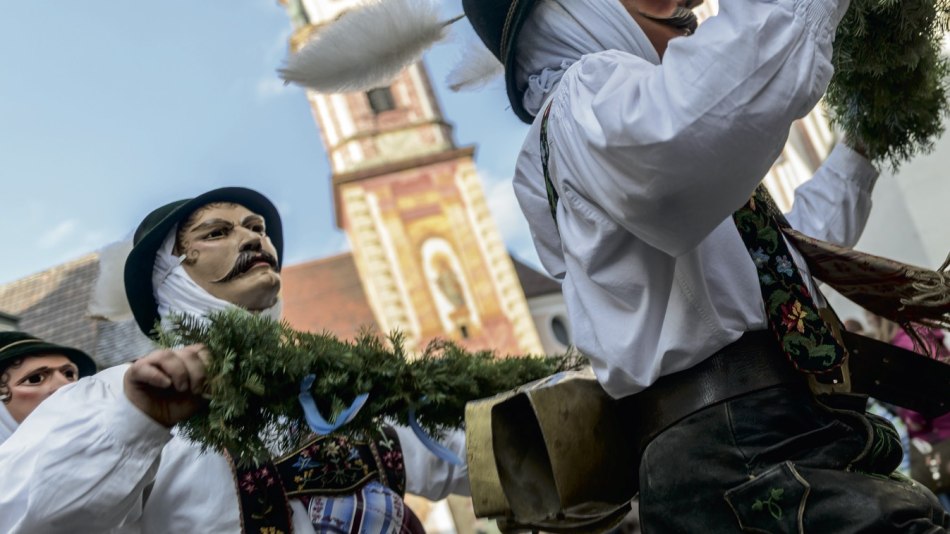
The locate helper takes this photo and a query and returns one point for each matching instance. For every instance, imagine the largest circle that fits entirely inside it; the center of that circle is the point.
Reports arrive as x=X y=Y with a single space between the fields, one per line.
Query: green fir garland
x=258 y=364
x=889 y=91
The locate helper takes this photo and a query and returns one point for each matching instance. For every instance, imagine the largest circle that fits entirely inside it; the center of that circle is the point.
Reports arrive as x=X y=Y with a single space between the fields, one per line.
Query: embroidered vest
x=324 y=466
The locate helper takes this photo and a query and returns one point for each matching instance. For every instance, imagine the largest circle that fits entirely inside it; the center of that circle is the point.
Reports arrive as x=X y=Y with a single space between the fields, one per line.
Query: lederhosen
x=325 y=471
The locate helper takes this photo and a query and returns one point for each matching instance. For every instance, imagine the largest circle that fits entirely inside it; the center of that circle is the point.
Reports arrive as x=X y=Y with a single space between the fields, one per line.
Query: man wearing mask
x=31 y=370
x=647 y=134
x=110 y=461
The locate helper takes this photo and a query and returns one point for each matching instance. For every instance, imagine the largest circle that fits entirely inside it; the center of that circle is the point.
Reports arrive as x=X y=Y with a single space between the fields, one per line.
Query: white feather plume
x=108 y=299
x=366 y=47
x=476 y=68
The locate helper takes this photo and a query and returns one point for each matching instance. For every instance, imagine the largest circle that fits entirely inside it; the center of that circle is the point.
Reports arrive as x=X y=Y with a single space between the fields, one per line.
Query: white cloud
x=80 y=243
x=271 y=88
x=57 y=234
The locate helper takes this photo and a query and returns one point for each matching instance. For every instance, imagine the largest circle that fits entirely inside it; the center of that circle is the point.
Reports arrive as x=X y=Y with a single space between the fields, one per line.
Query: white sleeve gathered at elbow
x=835 y=204
x=427 y=475
x=670 y=150
x=79 y=462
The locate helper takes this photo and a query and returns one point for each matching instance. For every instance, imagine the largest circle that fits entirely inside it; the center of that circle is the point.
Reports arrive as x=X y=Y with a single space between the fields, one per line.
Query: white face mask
x=230 y=255
x=177 y=293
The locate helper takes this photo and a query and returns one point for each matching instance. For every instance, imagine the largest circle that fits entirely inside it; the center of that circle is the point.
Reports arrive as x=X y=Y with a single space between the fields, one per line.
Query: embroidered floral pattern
x=885 y=452
x=771 y=503
x=805 y=338
x=253 y=481
x=784 y=265
x=793 y=316
x=545 y=157
x=327 y=465
x=760 y=258
x=262 y=500
x=338 y=464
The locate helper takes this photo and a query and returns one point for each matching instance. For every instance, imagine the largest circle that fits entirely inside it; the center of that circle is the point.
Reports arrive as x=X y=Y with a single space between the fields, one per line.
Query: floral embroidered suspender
x=326 y=465
x=808 y=341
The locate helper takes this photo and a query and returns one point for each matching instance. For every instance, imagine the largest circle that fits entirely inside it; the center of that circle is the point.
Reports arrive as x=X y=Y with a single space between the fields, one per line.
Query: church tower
x=430 y=258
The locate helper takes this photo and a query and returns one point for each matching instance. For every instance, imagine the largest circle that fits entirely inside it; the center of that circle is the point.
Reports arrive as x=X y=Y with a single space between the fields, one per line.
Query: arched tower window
x=559 y=329
x=449 y=288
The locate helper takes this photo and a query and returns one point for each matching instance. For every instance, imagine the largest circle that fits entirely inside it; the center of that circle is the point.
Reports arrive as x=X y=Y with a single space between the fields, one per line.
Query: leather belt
x=752 y=363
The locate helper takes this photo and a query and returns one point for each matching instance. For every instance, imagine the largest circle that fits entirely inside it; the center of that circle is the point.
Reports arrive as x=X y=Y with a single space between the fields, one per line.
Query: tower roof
x=534 y=283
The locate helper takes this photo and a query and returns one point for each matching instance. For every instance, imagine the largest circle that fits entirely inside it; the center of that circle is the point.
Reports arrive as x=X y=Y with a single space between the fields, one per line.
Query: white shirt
x=7 y=424
x=650 y=162
x=87 y=460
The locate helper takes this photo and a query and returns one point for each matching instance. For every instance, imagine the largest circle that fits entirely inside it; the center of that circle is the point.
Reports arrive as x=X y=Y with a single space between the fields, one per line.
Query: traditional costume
x=8 y=425
x=630 y=178
x=90 y=461
x=18 y=345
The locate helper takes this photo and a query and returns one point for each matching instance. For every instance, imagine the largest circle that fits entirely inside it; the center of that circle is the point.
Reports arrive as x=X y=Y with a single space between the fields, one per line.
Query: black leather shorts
x=779 y=461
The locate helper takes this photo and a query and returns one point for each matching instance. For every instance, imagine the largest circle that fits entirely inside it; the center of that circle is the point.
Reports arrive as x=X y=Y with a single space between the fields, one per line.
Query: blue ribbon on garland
x=315 y=419
x=436 y=448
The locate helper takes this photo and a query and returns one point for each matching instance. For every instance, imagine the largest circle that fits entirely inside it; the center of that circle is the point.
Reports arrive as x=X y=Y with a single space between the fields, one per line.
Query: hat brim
x=518 y=17
x=141 y=260
x=85 y=364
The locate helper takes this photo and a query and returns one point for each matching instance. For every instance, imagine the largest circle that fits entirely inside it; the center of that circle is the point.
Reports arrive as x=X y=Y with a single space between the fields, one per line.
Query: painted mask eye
x=682 y=18
x=35 y=379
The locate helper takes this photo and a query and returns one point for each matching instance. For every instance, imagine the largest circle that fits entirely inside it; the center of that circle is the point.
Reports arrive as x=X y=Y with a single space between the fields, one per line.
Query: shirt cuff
x=847 y=165
x=823 y=16
x=132 y=428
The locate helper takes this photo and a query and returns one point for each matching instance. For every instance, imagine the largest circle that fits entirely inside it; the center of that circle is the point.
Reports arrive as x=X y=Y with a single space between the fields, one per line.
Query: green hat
x=153 y=230
x=17 y=345
x=498 y=23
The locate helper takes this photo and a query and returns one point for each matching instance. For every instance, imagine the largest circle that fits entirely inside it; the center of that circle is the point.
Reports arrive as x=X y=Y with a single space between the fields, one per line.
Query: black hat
x=498 y=23
x=153 y=230
x=17 y=345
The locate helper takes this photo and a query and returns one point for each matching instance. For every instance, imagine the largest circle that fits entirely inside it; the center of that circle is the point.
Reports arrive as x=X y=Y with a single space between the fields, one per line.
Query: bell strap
x=894 y=290
x=807 y=340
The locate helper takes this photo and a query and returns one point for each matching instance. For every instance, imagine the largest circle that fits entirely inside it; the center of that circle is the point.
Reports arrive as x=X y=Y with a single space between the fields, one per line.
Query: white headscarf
x=560 y=32
x=7 y=424
x=177 y=293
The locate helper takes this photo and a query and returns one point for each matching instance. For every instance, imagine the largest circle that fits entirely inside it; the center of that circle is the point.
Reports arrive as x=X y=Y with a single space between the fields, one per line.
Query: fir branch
x=258 y=364
x=889 y=91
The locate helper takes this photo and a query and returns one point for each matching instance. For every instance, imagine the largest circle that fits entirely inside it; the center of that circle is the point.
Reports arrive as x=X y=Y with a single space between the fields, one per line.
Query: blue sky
x=110 y=109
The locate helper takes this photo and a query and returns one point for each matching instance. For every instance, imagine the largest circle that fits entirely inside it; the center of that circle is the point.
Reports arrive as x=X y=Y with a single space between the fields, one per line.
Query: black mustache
x=244 y=261
x=682 y=18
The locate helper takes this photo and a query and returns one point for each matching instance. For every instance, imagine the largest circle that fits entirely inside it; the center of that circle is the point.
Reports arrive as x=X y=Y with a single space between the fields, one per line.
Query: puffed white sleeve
x=426 y=474
x=669 y=151
x=80 y=462
x=835 y=204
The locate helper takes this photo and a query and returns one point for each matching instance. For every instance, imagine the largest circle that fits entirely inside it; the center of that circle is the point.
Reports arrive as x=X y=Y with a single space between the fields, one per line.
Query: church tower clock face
x=430 y=258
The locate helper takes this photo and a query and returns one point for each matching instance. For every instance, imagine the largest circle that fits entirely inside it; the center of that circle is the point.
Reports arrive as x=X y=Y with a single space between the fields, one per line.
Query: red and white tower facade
x=429 y=255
